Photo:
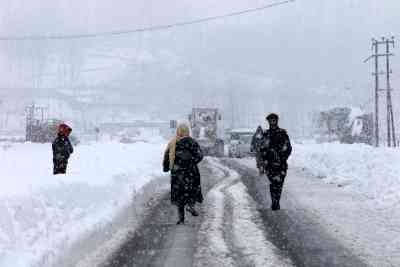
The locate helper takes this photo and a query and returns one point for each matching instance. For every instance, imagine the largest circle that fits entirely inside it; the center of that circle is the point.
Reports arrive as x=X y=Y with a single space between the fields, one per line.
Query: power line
x=95 y=69
x=113 y=56
x=144 y=29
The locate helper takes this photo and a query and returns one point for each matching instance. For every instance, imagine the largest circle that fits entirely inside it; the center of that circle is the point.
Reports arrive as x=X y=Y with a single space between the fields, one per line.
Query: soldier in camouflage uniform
x=275 y=150
x=62 y=149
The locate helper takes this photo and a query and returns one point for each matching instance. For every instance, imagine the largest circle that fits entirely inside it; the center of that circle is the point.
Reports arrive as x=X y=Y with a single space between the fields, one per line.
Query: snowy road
x=159 y=241
x=235 y=228
x=294 y=229
x=227 y=232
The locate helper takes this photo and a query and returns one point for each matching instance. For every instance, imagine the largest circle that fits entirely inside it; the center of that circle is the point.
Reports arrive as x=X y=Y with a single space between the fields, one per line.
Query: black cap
x=272 y=116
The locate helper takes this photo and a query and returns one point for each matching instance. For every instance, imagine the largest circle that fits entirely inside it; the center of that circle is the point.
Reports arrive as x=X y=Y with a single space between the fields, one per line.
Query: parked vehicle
x=240 y=143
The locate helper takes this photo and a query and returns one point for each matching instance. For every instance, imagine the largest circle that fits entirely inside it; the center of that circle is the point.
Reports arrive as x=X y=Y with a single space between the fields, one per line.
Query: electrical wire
x=144 y=29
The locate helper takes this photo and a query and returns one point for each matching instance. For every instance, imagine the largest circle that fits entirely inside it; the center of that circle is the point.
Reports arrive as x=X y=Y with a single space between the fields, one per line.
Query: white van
x=240 y=142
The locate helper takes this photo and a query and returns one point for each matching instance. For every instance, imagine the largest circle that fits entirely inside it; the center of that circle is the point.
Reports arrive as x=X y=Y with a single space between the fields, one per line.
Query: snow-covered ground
x=373 y=172
x=370 y=171
x=42 y=214
x=353 y=191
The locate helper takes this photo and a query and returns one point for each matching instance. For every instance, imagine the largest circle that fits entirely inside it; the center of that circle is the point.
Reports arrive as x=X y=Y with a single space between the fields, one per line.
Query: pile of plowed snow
x=374 y=172
x=40 y=214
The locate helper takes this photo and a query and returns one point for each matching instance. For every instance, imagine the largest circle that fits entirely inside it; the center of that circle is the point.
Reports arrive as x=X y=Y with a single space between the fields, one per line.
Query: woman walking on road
x=181 y=158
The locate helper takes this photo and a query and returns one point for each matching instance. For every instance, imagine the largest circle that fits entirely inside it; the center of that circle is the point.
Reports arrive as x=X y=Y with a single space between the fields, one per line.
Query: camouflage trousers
x=276 y=180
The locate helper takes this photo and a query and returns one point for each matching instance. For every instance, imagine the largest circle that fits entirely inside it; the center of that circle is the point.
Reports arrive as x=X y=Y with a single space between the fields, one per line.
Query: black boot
x=181 y=214
x=275 y=205
x=275 y=191
x=190 y=208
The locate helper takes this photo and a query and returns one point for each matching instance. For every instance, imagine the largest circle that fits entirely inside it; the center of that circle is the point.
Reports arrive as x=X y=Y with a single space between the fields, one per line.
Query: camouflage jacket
x=276 y=147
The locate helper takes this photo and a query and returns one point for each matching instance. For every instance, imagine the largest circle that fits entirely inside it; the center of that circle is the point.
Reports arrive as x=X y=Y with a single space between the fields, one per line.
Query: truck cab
x=205 y=124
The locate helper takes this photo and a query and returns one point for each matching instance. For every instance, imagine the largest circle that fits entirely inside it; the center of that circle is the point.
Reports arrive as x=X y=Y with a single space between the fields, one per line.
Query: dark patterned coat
x=62 y=149
x=256 y=144
x=185 y=175
x=276 y=149
x=256 y=140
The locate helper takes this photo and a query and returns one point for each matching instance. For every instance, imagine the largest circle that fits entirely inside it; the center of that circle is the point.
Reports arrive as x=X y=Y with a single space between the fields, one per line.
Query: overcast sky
x=311 y=48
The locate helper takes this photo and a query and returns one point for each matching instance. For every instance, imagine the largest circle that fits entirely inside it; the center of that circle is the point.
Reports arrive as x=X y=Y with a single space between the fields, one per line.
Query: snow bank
x=374 y=172
x=41 y=214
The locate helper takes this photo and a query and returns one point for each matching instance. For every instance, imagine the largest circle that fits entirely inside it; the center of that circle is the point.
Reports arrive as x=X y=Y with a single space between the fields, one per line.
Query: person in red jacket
x=62 y=149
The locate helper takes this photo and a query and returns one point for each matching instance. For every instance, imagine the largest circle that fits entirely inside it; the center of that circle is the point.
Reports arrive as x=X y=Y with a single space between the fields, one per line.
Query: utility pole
x=30 y=114
x=31 y=120
x=376 y=93
x=390 y=120
x=391 y=135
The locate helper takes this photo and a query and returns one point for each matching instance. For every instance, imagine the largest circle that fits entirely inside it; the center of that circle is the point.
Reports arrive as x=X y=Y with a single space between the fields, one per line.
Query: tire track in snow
x=229 y=235
x=212 y=249
x=247 y=232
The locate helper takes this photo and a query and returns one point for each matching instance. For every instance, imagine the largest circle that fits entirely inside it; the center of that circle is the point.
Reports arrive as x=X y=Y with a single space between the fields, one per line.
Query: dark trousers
x=259 y=160
x=276 y=185
x=60 y=166
x=181 y=212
